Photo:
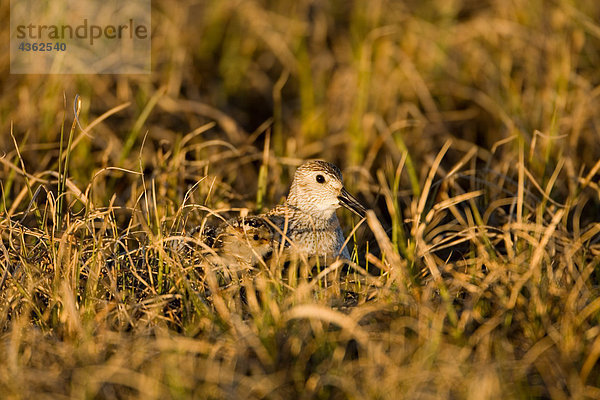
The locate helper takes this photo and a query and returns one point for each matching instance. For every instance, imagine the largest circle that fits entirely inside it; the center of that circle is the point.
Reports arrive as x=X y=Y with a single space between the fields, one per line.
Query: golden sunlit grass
x=471 y=131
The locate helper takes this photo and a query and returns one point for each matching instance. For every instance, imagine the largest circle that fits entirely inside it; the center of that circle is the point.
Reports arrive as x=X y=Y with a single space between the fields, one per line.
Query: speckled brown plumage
x=240 y=242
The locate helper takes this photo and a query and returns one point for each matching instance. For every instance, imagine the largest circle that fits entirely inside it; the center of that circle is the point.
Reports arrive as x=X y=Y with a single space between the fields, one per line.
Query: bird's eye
x=320 y=178
x=256 y=237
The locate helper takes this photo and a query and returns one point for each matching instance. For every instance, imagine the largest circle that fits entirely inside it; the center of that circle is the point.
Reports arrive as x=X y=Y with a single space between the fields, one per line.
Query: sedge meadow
x=470 y=129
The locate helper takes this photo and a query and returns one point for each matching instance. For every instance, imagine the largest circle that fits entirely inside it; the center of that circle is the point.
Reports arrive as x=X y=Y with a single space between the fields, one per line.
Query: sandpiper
x=308 y=217
x=305 y=225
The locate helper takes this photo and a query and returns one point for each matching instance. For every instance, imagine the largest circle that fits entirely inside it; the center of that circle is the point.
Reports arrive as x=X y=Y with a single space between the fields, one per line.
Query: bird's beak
x=350 y=202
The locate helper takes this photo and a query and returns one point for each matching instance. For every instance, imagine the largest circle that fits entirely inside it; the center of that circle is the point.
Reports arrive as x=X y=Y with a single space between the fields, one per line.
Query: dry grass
x=471 y=130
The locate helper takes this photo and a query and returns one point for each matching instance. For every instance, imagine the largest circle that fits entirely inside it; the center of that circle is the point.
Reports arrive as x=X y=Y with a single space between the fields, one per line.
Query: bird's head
x=318 y=189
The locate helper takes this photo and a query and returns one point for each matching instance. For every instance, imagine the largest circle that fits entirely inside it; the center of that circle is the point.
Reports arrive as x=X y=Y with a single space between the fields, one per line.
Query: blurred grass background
x=470 y=127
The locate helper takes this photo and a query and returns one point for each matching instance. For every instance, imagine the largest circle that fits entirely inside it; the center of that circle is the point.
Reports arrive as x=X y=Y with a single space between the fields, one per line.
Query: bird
x=305 y=225
x=308 y=217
